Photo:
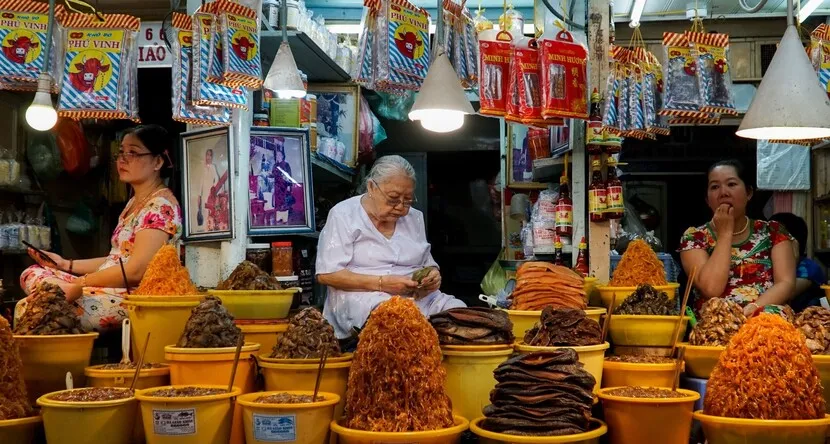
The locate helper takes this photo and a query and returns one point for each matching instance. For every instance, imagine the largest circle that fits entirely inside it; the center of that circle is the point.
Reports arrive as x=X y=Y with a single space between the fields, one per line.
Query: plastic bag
x=682 y=95
x=203 y=91
x=711 y=55
x=564 y=77
x=634 y=73
x=529 y=83
x=494 y=58
x=819 y=52
x=494 y=280
x=239 y=34
x=73 y=146
x=23 y=37
x=782 y=167
x=392 y=106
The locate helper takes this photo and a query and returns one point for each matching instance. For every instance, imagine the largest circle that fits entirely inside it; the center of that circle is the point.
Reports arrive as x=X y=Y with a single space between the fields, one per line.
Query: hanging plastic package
x=183 y=109
x=623 y=102
x=494 y=61
x=682 y=96
x=73 y=146
x=23 y=36
x=363 y=69
x=564 y=77
x=239 y=33
x=403 y=46
x=202 y=91
x=610 y=119
x=131 y=64
x=653 y=96
x=97 y=67
x=472 y=51
x=636 y=122
x=711 y=54
x=819 y=52
x=527 y=84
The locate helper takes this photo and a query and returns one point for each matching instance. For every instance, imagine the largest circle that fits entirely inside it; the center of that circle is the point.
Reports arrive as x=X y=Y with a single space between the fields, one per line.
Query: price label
x=174 y=422
x=152 y=50
x=275 y=428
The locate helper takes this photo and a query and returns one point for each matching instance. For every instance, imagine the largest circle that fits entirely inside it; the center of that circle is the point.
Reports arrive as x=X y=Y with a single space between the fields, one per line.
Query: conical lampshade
x=441 y=104
x=283 y=76
x=790 y=102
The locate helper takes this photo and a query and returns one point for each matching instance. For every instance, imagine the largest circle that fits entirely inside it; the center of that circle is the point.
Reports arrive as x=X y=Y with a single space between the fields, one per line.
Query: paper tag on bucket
x=275 y=428
x=174 y=422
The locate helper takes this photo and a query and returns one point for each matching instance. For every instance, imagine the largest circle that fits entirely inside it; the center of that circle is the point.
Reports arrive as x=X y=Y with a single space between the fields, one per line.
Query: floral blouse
x=750 y=274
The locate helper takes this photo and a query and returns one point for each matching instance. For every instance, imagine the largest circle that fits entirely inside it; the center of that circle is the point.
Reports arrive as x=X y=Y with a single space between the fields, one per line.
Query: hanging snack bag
x=403 y=51
x=564 y=77
x=204 y=92
x=528 y=82
x=494 y=57
x=682 y=96
x=820 y=54
x=97 y=66
x=472 y=51
x=240 y=48
x=623 y=102
x=653 y=95
x=23 y=36
x=636 y=122
x=363 y=69
x=711 y=54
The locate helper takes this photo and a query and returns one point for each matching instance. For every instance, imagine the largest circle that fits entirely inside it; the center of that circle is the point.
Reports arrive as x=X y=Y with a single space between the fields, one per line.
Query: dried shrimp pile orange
x=166 y=276
x=13 y=401
x=540 y=284
x=766 y=372
x=639 y=265
x=396 y=383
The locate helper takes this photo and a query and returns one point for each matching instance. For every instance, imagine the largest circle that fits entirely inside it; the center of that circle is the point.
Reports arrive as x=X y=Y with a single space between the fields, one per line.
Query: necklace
x=744 y=228
x=139 y=204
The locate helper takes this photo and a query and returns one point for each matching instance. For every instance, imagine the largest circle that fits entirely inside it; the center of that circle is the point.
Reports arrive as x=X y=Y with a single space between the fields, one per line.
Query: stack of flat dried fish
x=49 y=313
x=247 y=276
x=719 y=320
x=564 y=327
x=307 y=336
x=13 y=401
x=646 y=300
x=541 y=394
x=472 y=326
x=539 y=284
x=814 y=324
x=210 y=325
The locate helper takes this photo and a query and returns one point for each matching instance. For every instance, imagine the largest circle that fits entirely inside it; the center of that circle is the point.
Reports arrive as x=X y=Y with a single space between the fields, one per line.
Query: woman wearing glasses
x=151 y=219
x=370 y=247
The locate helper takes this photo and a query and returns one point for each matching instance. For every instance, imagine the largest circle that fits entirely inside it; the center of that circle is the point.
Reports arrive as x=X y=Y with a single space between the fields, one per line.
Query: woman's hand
x=723 y=221
x=398 y=285
x=72 y=291
x=62 y=264
x=432 y=282
x=750 y=308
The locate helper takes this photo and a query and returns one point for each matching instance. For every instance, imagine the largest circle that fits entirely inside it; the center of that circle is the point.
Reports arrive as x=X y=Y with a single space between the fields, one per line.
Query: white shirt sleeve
x=335 y=246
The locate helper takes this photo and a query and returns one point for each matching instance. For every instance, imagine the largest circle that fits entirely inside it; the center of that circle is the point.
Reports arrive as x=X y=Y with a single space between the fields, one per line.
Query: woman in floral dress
x=745 y=260
x=151 y=219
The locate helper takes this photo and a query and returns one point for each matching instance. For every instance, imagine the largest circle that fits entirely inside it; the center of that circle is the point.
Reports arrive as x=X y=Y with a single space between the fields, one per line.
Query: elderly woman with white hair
x=370 y=247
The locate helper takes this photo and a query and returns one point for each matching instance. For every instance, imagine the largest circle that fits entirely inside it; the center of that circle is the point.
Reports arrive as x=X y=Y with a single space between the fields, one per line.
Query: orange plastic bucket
x=283 y=377
x=620 y=374
x=299 y=423
x=191 y=420
x=641 y=420
x=212 y=366
x=46 y=359
x=23 y=430
x=148 y=377
x=450 y=435
x=265 y=334
x=162 y=316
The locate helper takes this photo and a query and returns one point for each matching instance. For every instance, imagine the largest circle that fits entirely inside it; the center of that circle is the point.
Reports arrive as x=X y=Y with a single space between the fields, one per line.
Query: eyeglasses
x=394 y=202
x=128 y=157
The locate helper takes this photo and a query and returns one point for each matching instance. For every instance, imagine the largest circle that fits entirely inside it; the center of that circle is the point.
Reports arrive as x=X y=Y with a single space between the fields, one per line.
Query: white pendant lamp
x=41 y=114
x=283 y=76
x=790 y=103
x=441 y=104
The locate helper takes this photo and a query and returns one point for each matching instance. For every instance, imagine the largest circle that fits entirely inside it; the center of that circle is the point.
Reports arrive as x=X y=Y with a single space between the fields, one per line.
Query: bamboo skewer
x=235 y=362
x=608 y=319
x=140 y=362
x=683 y=310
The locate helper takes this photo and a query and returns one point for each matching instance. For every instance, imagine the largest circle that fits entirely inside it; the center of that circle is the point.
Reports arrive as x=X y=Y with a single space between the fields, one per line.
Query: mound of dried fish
x=130 y=366
x=287 y=398
x=645 y=392
x=539 y=284
x=210 y=325
x=814 y=324
x=472 y=326
x=640 y=359
x=93 y=394
x=719 y=320
x=564 y=327
x=13 y=401
x=247 y=276
x=541 y=394
x=646 y=300
x=49 y=313
x=307 y=336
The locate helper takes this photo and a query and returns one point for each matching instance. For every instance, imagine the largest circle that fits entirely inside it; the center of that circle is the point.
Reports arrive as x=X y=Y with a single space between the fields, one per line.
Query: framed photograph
x=207 y=194
x=338 y=120
x=280 y=195
x=520 y=156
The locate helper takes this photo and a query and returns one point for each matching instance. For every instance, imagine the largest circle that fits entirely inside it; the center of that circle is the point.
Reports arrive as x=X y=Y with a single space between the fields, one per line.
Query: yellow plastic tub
x=645 y=330
x=470 y=378
x=264 y=357
x=111 y=422
x=524 y=320
x=300 y=423
x=607 y=292
x=257 y=304
x=449 y=435
x=477 y=348
x=149 y=377
x=721 y=430
x=166 y=298
x=597 y=429
x=23 y=430
x=700 y=360
x=640 y=420
x=619 y=374
x=266 y=335
x=592 y=357
x=193 y=420
x=200 y=366
x=164 y=321
x=284 y=376
x=822 y=362
x=46 y=359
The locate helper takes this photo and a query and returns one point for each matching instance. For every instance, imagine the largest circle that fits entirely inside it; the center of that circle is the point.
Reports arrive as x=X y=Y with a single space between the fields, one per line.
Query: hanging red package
x=564 y=78
x=494 y=58
x=528 y=83
x=73 y=146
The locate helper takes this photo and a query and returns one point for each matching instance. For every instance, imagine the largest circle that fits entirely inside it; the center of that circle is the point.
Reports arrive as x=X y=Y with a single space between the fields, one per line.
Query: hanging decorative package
x=711 y=54
x=405 y=46
x=623 y=102
x=23 y=36
x=528 y=84
x=819 y=52
x=634 y=73
x=653 y=96
x=494 y=57
x=239 y=33
x=564 y=77
x=97 y=67
x=204 y=92
x=472 y=51
x=682 y=95
x=363 y=70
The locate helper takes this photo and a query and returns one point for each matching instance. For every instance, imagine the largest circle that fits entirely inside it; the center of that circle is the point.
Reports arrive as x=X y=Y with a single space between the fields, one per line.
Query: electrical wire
x=563 y=18
x=752 y=9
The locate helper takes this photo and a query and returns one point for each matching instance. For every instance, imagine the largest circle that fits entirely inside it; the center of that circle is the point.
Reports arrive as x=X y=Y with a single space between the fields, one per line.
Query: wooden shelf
x=822 y=145
x=326 y=172
x=310 y=58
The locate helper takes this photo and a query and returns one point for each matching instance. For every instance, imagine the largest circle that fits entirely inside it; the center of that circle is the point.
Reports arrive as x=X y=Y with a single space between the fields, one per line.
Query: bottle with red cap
x=581 y=266
x=557 y=251
x=594 y=137
x=615 y=206
x=564 y=219
x=597 y=194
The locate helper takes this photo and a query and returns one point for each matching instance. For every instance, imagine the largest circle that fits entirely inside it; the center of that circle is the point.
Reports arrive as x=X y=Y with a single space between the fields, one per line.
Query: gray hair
x=388 y=166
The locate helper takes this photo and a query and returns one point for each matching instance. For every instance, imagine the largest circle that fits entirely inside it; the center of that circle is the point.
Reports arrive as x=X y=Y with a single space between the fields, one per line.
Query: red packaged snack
x=528 y=83
x=494 y=57
x=564 y=77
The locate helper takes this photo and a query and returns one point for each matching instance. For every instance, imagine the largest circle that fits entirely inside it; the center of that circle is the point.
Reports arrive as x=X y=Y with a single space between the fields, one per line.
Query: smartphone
x=43 y=256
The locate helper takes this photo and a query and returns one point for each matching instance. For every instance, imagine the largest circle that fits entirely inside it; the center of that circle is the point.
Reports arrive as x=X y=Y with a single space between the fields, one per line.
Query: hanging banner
x=152 y=51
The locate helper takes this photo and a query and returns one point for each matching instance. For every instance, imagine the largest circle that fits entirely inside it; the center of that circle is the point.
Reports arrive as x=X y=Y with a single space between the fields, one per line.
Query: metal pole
x=439 y=28
x=284 y=19
x=790 y=20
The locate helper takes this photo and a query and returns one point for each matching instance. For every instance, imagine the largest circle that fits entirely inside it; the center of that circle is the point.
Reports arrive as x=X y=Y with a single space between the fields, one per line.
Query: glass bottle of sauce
x=616 y=207
x=595 y=137
x=597 y=194
x=581 y=266
x=564 y=210
x=557 y=252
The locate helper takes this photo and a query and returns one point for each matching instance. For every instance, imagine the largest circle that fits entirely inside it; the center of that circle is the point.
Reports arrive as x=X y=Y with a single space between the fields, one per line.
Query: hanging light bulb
x=41 y=114
x=441 y=104
x=283 y=76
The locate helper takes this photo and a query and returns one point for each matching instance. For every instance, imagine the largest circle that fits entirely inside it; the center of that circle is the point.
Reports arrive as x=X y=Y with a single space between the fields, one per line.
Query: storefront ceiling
x=661 y=10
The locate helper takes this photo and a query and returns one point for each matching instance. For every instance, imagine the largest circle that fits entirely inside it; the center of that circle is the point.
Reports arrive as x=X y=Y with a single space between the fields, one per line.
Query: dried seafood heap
x=14 y=403
x=166 y=276
x=287 y=398
x=639 y=265
x=472 y=326
x=567 y=327
x=539 y=284
x=396 y=383
x=247 y=276
x=814 y=324
x=785 y=311
x=130 y=366
x=541 y=394
x=766 y=372
x=93 y=394
x=210 y=325
x=719 y=320
x=640 y=359
x=646 y=300
x=645 y=392
x=49 y=313
x=186 y=392
x=308 y=334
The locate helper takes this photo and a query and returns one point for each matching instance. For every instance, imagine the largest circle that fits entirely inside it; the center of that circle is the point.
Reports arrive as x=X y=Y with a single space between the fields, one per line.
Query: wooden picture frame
x=338 y=121
x=207 y=188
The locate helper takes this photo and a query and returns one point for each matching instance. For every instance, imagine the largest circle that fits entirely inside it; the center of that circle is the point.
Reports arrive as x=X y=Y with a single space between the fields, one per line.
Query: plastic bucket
x=607 y=292
x=165 y=320
x=300 y=423
x=470 y=378
x=212 y=366
x=111 y=422
x=524 y=320
x=150 y=377
x=620 y=374
x=822 y=363
x=191 y=420
x=450 y=435
x=23 y=430
x=46 y=359
x=592 y=357
x=266 y=335
x=284 y=377
x=700 y=360
x=645 y=330
x=721 y=430
x=640 y=420
x=598 y=428
x=344 y=357
x=257 y=304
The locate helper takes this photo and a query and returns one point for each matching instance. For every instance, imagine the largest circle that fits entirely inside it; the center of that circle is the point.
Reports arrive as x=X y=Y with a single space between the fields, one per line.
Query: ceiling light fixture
x=41 y=114
x=636 y=13
x=808 y=9
x=790 y=103
x=283 y=76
